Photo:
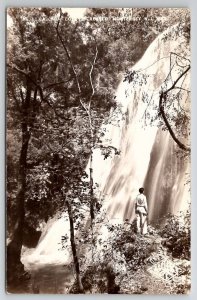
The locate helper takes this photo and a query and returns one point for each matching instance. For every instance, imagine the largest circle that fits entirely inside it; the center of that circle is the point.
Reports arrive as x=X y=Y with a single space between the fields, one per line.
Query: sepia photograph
x=98 y=151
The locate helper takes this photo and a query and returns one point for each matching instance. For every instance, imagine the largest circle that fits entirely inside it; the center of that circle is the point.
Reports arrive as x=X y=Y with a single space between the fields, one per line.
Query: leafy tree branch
x=162 y=100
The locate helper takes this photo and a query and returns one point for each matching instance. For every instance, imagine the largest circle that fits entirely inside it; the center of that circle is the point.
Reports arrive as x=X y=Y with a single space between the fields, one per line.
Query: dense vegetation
x=126 y=262
x=61 y=82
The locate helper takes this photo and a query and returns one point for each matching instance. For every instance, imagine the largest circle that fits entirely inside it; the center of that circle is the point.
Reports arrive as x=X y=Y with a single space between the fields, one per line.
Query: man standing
x=141 y=211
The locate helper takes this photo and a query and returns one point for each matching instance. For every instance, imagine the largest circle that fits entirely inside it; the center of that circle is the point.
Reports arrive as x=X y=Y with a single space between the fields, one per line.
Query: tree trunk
x=74 y=250
x=14 y=266
x=91 y=189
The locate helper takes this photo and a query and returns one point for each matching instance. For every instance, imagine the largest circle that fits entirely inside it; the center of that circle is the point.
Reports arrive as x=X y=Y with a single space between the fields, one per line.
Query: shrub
x=176 y=234
x=135 y=248
x=100 y=277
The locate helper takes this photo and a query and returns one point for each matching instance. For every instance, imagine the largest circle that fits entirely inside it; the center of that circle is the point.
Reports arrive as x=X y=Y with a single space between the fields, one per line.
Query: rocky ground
x=162 y=274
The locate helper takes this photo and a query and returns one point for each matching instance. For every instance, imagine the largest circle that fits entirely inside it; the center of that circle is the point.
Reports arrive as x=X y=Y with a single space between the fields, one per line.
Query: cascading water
x=147 y=154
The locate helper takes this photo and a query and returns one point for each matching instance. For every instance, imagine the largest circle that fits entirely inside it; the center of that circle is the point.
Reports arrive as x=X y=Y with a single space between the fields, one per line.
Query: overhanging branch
x=162 y=100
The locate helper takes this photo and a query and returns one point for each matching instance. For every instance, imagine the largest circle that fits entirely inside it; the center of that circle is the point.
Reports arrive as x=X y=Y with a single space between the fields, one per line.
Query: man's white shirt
x=141 y=203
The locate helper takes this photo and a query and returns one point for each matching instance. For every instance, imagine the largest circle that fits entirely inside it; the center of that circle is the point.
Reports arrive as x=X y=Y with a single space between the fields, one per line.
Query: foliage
x=176 y=234
x=134 y=248
x=99 y=278
x=171 y=110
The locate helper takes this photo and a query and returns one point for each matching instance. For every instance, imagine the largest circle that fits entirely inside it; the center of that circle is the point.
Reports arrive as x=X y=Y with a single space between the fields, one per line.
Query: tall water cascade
x=148 y=155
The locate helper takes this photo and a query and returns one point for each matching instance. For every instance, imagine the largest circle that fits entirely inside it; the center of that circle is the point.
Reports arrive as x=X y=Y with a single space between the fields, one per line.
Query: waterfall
x=49 y=249
x=148 y=156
